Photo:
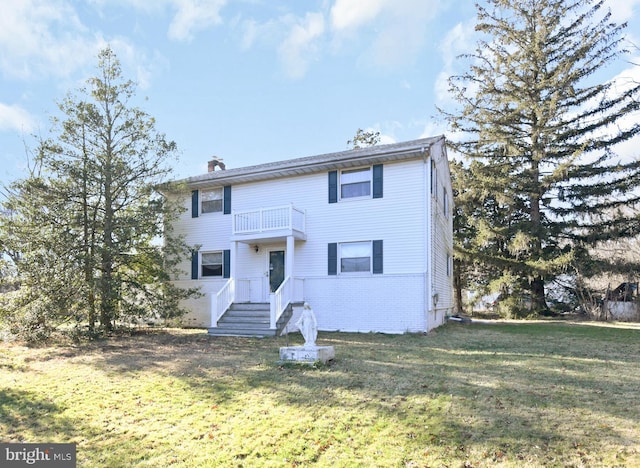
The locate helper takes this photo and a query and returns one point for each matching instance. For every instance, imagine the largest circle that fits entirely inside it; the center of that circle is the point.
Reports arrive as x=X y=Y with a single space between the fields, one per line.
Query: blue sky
x=250 y=81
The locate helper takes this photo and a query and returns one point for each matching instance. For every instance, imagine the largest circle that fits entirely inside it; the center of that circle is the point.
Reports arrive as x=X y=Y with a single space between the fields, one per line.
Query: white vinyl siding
x=398 y=218
x=442 y=229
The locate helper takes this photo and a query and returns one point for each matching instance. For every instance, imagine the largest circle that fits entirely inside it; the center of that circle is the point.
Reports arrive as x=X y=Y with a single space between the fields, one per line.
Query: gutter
x=350 y=158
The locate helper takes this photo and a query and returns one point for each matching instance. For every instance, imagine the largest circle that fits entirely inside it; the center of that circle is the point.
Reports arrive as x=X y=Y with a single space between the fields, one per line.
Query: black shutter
x=226 y=263
x=226 y=204
x=333 y=186
x=377 y=181
x=333 y=259
x=194 y=264
x=377 y=257
x=194 y=204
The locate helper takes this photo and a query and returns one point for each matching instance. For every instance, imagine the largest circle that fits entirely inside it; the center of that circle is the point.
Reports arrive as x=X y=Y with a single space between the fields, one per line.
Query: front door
x=276 y=269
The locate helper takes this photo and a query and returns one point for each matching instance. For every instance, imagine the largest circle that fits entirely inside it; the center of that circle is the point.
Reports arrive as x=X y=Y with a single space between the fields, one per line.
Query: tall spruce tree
x=83 y=228
x=543 y=130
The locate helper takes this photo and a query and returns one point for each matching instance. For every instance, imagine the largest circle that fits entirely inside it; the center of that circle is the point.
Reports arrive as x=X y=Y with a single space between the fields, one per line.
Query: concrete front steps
x=250 y=319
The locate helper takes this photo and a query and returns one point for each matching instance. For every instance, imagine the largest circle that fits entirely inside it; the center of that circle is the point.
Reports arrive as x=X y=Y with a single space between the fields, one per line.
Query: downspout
x=427 y=240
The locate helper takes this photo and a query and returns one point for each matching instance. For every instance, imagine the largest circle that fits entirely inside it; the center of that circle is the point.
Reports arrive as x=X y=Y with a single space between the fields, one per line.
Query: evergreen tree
x=83 y=229
x=543 y=131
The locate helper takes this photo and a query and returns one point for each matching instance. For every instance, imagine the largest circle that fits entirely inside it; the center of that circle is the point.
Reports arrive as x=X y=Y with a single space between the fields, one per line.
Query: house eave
x=313 y=164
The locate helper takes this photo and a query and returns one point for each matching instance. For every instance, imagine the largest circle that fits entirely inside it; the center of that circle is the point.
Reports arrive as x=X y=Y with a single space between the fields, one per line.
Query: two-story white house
x=364 y=236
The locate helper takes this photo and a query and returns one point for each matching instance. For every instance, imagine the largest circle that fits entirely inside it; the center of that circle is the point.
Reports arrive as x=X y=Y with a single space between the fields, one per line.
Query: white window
x=355 y=183
x=355 y=257
x=211 y=264
x=211 y=200
x=449 y=265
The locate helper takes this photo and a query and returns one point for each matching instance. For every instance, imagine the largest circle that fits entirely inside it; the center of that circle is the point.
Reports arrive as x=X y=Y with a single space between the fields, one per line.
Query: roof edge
x=319 y=163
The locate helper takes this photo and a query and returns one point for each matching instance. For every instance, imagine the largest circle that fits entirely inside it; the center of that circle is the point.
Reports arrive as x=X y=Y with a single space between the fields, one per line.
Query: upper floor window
x=211 y=200
x=367 y=182
x=355 y=183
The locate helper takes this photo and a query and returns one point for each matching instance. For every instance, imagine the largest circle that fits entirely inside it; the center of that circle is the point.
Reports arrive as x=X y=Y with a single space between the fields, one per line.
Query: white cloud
x=134 y=60
x=189 y=16
x=268 y=33
x=298 y=40
x=460 y=39
x=622 y=10
x=387 y=131
x=300 y=46
x=433 y=128
x=193 y=16
x=350 y=14
x=249 y=34
x=399 y=27
x=46 y=38
x=42 y=37
x=624 y=81
x=392 y=32
x=15 y=118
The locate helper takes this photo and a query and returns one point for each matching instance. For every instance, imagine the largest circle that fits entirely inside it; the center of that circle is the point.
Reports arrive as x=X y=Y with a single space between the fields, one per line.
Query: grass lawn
x=506 y=394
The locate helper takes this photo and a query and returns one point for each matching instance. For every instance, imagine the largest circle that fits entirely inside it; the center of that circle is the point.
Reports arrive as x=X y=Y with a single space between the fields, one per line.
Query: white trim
x=429 y=242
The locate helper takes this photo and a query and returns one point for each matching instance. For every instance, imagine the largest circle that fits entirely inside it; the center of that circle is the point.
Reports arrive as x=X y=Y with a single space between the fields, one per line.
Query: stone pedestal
x=308 y=354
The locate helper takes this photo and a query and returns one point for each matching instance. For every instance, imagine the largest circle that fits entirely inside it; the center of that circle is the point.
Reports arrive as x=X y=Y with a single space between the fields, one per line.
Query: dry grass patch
x=533 y=394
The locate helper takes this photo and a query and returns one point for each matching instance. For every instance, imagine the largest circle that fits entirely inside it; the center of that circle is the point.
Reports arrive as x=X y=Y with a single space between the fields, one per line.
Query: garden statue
x=309 y=353
x=308 y=325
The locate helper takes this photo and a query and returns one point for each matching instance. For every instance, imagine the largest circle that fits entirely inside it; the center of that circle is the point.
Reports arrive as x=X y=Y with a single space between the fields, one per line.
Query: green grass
x=526 y=394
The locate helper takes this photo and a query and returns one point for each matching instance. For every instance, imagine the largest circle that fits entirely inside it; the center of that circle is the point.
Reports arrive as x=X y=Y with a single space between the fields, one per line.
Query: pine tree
x=544 y=130
x=84 y=228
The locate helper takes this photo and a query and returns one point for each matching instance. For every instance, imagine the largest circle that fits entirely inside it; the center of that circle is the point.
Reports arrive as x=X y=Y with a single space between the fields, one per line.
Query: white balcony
x=272 y=223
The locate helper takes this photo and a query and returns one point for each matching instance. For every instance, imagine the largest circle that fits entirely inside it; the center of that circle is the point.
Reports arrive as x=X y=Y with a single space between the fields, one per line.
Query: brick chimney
x=215 y=162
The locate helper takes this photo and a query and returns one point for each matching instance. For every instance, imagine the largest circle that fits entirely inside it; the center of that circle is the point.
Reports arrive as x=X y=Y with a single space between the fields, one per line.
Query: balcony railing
x=262 y=220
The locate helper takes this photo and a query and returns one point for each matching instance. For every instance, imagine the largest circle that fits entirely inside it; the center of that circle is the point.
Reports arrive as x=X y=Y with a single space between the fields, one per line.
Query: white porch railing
x=268 y=219
x=233 y=290
x=290 y=290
